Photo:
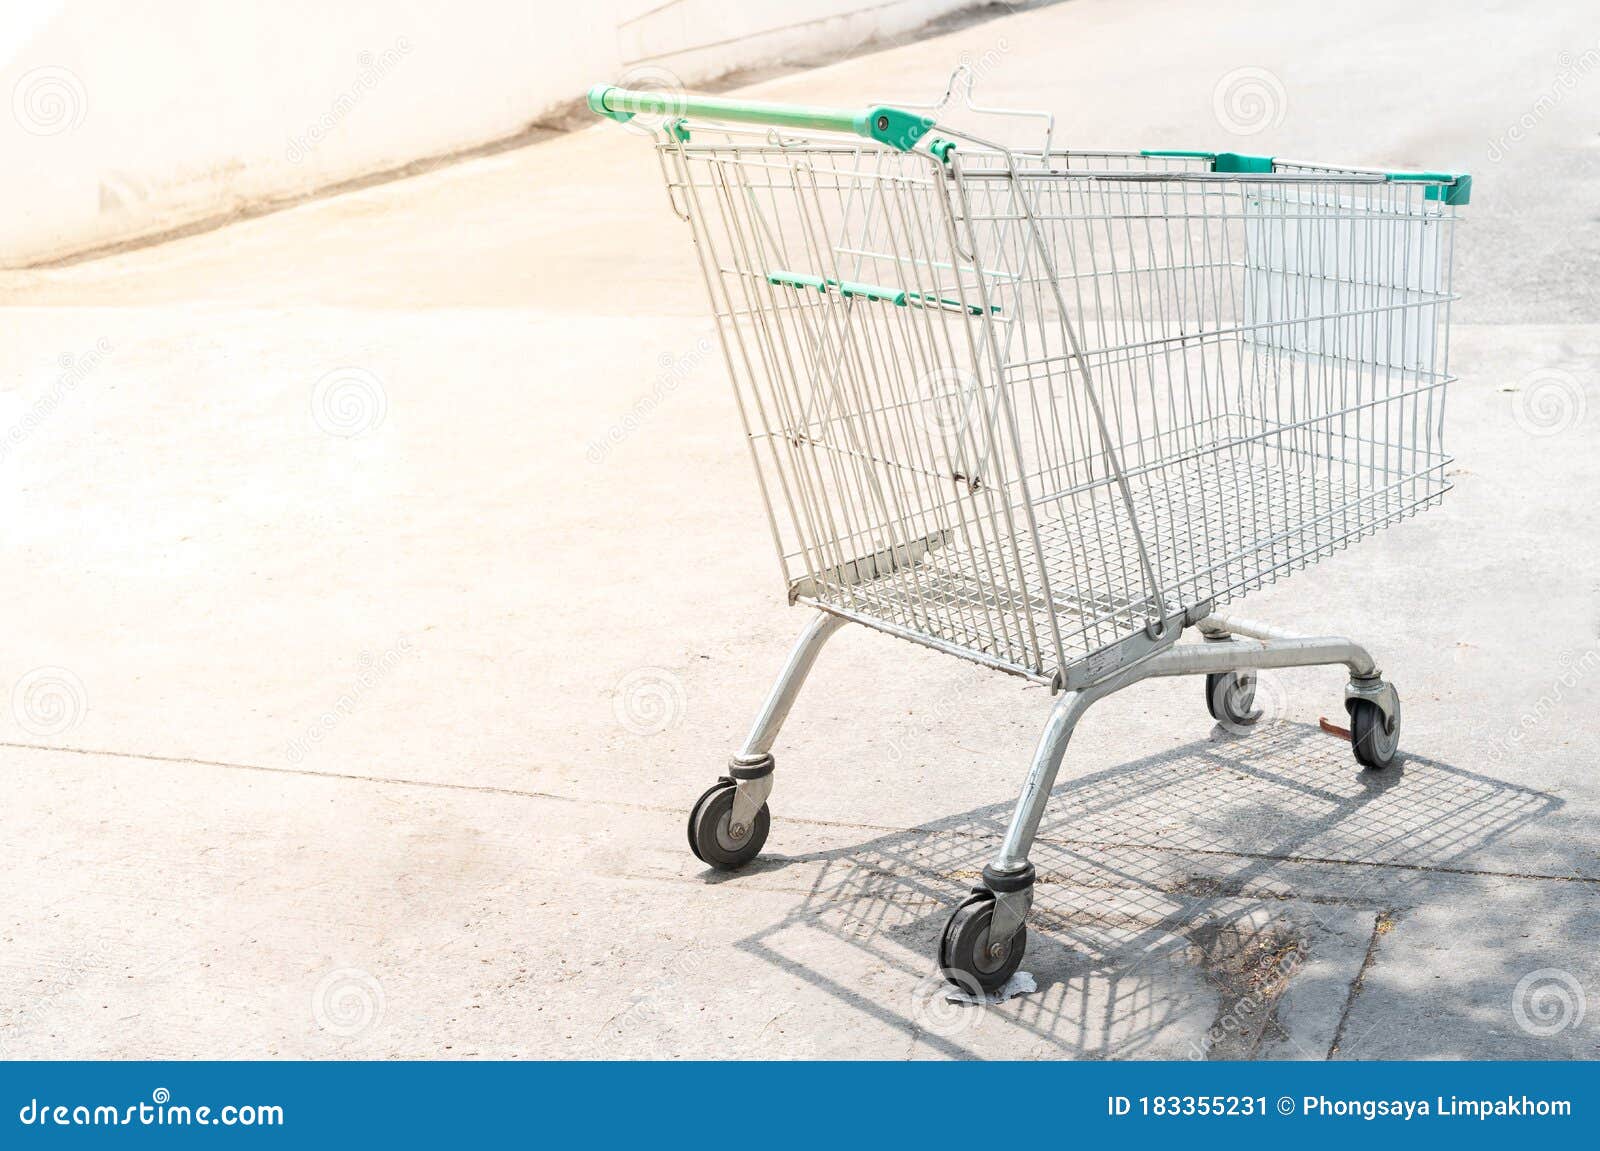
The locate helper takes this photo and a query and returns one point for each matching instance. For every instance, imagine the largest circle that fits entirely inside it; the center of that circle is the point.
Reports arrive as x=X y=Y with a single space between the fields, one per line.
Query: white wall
x=129 y=117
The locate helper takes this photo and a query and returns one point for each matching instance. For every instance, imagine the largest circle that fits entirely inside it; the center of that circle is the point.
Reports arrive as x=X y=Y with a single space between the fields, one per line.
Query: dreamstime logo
x=1249 y=100
x=1548 y=1001
x=1259 y=695
x=52 y=990
x=347 y=402
x=371 y=670
x=49 y=101
x=347 y=1002
x=658 y=81
x=949 y=400
x=933 y=1011
x=647 y=1009
x=74 y=371
x=1548 y=401
x=649 y=701
x=1500 y=745
x=49 y=701
x=373 y=68
x=1241 y=1015
x=674 y=371
x=1571 y=69
x=983 y=64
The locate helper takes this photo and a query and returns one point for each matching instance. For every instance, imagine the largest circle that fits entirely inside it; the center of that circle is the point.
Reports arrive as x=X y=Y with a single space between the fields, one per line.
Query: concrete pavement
x=385 y=579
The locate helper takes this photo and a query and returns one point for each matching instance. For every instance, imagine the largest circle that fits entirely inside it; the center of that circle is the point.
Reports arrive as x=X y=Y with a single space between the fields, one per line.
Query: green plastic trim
x=796 y=280
x=851 y=288
x=596 y=99
x=1447 y=187
x=1456 y=194
x=941 y=149
x=677 y=129
x=1220 y=161
x=924 y=301
x=891 y=126
x=1235 y=162
x=846 y=288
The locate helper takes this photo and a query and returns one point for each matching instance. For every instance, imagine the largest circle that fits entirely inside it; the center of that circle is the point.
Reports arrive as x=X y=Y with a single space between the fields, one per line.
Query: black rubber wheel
x=711 y=837
x=965 y=955
x=1231 y=698
x=1375 y=747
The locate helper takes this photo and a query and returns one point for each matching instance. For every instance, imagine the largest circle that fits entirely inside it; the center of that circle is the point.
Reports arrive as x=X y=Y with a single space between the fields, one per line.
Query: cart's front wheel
x=714 y=837
x=967 y=955
x=1231 y=698
x=1375 y=741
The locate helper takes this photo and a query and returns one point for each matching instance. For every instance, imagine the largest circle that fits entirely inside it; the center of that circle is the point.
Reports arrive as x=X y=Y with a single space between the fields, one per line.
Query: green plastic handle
x=890 y=126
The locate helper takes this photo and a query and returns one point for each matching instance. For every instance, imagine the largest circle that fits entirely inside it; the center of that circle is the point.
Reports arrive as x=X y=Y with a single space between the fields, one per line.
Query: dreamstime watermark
x=1548 y=401
x=46 y=994
x=49 y=101
x=348 y=402
x=1571 y=69
x=664 y=84
x=1501 y=745
x=1249 y=100
x=347 y=1001
x=1242 y=1017
x=160 y=1111
x=934 y=1011
x=649 y=701
x=1547 y=1002
x=74 y=370
x=49 y=701
x=949 y=401
x=674 y=371
x=1249 y=700
x=373 y=69
x=647 y=1008
x=984 y=63
x=371 y=670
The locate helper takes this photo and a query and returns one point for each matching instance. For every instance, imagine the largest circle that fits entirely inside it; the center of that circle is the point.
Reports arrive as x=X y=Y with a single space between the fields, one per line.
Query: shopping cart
x=1046 y=409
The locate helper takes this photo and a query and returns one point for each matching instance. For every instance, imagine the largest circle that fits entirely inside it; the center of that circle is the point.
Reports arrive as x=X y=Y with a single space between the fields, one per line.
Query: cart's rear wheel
x=1376 y=744
x=966 y=954
x=713 y=836
x=1231 y=698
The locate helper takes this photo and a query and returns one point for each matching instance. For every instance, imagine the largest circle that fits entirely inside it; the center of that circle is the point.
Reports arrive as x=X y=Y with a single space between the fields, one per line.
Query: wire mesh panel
x=1032 y=412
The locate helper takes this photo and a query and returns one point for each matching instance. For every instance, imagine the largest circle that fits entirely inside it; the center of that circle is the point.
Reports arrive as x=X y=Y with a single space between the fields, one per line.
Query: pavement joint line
x=1101 y=845
x=190 y=761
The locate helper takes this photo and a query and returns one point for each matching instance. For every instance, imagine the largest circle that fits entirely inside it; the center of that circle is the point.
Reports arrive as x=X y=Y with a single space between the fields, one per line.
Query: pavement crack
x=1381 y=925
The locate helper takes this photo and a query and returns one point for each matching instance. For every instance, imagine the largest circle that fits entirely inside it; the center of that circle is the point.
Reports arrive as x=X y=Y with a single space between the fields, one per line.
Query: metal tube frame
x=752 y=767
x=1230 y=645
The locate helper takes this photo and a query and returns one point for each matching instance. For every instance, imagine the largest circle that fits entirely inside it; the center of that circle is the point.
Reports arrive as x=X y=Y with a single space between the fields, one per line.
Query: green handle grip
x=886 y=125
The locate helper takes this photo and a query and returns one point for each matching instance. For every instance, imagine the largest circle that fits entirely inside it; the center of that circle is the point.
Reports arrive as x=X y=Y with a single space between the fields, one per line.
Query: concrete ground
x=380 y=744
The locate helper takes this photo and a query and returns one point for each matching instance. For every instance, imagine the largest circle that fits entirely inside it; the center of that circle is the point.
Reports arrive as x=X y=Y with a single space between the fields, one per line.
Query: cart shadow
x=1170 y=890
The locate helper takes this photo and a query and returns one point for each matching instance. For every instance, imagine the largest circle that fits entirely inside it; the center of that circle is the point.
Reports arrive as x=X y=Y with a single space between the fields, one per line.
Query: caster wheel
x=966 y=955
x=1231 y=698
x=713 y=838
x=1374 y=747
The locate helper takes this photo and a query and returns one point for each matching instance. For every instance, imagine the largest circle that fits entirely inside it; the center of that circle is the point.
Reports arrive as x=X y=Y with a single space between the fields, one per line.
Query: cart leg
x=728 y=824
x=984 y=940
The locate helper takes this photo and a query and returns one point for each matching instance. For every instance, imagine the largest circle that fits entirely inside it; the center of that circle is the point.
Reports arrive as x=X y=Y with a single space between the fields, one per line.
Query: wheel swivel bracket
x=1377 y=689
x=752 y=784
x=1013 y=897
